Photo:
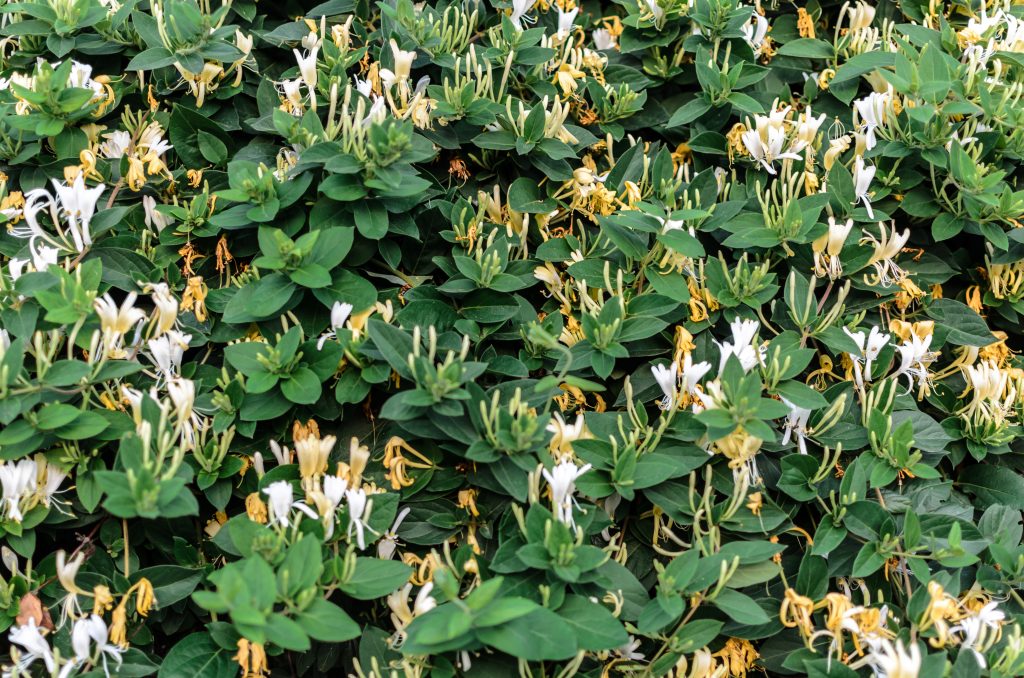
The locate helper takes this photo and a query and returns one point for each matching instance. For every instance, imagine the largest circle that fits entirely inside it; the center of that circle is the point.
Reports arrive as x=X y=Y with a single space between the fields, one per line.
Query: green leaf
x=539 y=636
x=198 y=656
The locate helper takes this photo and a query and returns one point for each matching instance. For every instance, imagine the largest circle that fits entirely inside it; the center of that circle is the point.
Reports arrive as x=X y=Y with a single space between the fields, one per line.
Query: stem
x=124 y=532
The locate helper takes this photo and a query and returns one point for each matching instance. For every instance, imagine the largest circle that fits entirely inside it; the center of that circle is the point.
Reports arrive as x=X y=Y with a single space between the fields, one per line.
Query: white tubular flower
x=313 y=453
x=116 y=145
x=667 y=378
x=562 y=481
x=766 y=140
x=388 y=543
x=364 y=87
x=117 y=321
x=656 y=10
x=152 y=218
x=692 y=374
x=868 y=345
x=339 y=315
x=603 y=39
x=92 y=631
x=915 y=357
x=894 y=661
x=807 y=127
x=980 y=630
x=870 y=113
x=755 y=33
x=565 y=434
x=43 y=256
x=281 y=502
x=519 y=10
x=862 y=178
x=165 y=313
x=71 y=212
x=860 y=15
x=31 y=640
x=829 y=246
x=401 y=612
x=167 y=351
x=291 y=95
x=887 y=247
x=796 y=424
x=741 y=346
x=403 y=64
x=18 y=483
x=359 y=508
x=566 y=20
x=307 y=67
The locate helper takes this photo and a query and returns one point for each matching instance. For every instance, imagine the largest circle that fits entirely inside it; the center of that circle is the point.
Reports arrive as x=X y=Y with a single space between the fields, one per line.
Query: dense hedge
x=655 y=337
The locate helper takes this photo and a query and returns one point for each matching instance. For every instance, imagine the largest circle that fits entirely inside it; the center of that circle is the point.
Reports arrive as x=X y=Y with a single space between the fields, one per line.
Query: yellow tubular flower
x=795 y=613
x=255 y=508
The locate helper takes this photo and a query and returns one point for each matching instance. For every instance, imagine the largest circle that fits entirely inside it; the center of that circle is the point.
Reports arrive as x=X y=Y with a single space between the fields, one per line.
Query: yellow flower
x=255 y=508
x=144 y=598
x=566 y=77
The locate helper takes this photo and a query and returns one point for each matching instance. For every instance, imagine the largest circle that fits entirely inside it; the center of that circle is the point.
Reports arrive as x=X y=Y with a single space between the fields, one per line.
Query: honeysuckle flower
x=312 y=453
x=603 y=39
x=893 y=661
x=860 y=15
x=980 y=630
x=691 y=374
x=519 y=10
x=829 y=246
x=796 y=424
x=18 y=483
x=887 y=246
x=358 y=513
x=755 y=33
x=71 y=212
x=116 y=145
x=565 y=434
x=765 y=142
x=402 y=613
x=378 y=112
x=152 y=217
x=281 y=498
x=167 y=350
x=364 y=87
x=30 y=639
x=307 y=68
x=291 y=96
x=562 y=481
x=667 y=378
x=915 y=357
x=862 y=177
x=741 y=346
x=566 y=20
x=117 y=321
x=388 y=543
x=869 y=345
x=629 y=651
x=89 y=632
x=870 y=114
x=340 y=313
x=165 y=311
x=807 y=127
x=656 y=11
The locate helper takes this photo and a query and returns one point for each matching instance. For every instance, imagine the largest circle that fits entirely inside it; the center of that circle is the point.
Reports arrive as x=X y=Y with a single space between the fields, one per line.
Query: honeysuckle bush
x=535 y=338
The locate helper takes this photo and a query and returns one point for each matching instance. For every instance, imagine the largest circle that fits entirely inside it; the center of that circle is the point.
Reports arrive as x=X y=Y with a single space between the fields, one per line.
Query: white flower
x=165 y=311
x=741 y=346
x=389 y=541
x=755 y=33
x=565 y=21
x=829 y=246
x=519 y=10
x=42 y=255
x=870 y=112
x=887 y=247
x=71 y=212
x=32 y=641
x=807 y=128
x=307 y=67
x=603 y=39
x=692 y=374
x=915 y=357
x=868 y=345
x=667 y=377
x=889 y=661
x=766 y=140
x=562 y=480
x=282 y=501
x=565 y=434
x=89 y=631
x=116 y=145
x=167 y=351
x=153 y=218
x=980 y=630
x=378 y=112
x=862 y=177
x=339 y=315
x=629 y=650
x=18 y=482
x=796 y=423
x=656 y=10
x=364 y=87
x=358 y=513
